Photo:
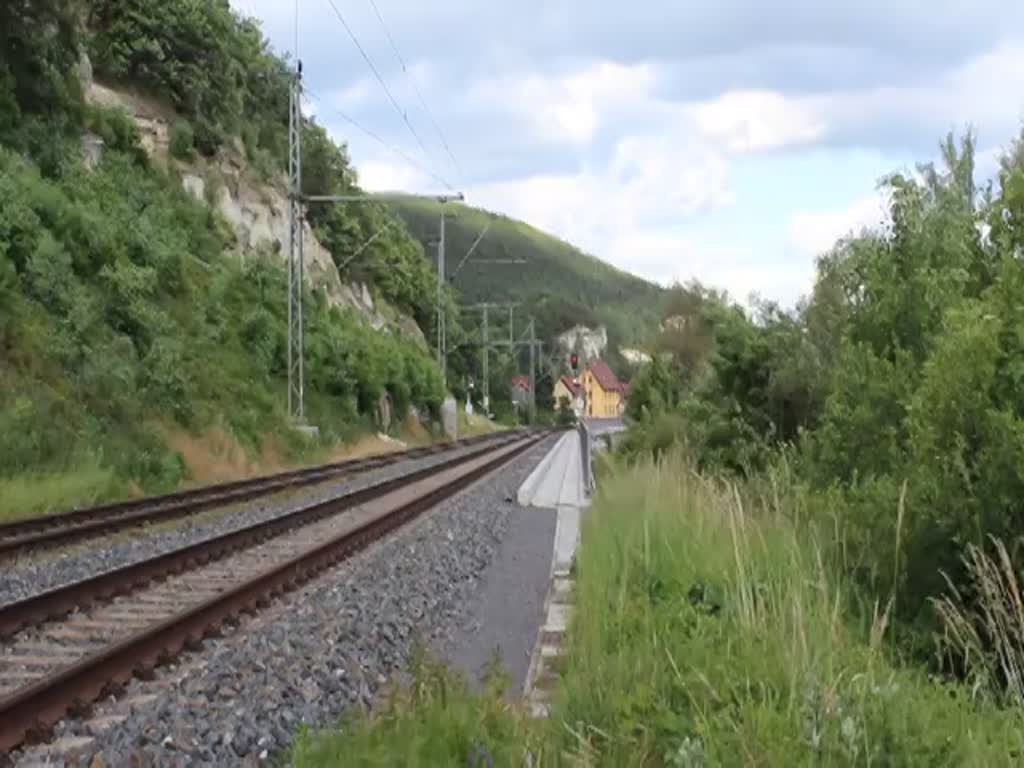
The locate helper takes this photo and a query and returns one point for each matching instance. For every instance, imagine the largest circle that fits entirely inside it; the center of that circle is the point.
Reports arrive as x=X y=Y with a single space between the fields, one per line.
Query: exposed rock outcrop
x=92 y=150
x=589 y=343
x=257 y=211
x=635 y=356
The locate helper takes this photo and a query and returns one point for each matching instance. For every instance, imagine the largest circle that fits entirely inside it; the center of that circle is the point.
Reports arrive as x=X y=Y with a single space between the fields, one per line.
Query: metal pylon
x=296 y=395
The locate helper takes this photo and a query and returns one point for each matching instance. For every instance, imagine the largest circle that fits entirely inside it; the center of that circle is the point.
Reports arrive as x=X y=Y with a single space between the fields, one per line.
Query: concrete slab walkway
x=557 y=483
x=558 y=479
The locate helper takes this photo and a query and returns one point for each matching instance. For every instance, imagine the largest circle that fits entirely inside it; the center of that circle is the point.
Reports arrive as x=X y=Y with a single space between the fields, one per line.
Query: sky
x=730 y=141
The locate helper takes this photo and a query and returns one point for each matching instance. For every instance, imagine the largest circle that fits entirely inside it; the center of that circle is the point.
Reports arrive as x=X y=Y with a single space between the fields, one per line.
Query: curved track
x=64 y=648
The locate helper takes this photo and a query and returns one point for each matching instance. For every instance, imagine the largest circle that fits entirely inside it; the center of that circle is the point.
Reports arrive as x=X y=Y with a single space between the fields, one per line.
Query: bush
x=565 y=416
x=8 y=295
x=117 y=129
x=182 y=140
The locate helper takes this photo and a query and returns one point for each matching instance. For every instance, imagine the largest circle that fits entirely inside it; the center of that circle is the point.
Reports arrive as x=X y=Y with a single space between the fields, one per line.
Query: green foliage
x=707 y=630
x=43 y=494
x=119 y=314
x=38 y=84
x=120 y=298
x=212 y=66
x=435 y=721
x=565 y=416
x=656 y=389
x=559 y=285
x=896 y=386
x=116 y=128
x=182 y=140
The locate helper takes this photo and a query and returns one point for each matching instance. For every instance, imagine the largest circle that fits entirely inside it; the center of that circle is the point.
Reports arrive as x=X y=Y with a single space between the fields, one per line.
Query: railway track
x=48 y=531
x=62 y=649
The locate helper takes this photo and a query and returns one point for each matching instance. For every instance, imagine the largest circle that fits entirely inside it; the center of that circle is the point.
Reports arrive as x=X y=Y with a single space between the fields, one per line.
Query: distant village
x=595 y=393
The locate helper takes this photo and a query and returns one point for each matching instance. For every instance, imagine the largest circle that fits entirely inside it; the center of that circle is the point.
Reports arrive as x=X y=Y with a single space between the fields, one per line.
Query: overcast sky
x=731 y=141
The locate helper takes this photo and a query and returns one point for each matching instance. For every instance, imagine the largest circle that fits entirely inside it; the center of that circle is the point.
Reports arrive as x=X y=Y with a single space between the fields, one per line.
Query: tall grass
x=434 y=721
x=983 y=625
x=39 y=494
x=712 y=629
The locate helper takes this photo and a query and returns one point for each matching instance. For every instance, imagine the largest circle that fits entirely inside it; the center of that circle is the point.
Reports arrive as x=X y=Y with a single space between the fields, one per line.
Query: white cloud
x=583 y=139
x=815 y=232
x=569 y=108
x=385 y=176
x=975 y=94
x=650 y=183
x=668 y=174
x=673 y=257
x=749 y=121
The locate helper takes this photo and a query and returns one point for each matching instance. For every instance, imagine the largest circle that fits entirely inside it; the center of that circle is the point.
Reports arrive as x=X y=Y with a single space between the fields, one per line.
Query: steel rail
x=58 y=601
x=29 y=713
x=27 y=535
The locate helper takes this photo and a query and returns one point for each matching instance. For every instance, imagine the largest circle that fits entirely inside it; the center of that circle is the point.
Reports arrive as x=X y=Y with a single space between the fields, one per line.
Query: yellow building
x=602 y=391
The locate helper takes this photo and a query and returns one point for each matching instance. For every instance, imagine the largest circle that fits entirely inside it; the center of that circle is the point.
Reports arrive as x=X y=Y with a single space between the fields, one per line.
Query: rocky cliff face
x=635 y=356
x=588 y=343
x=257 y=211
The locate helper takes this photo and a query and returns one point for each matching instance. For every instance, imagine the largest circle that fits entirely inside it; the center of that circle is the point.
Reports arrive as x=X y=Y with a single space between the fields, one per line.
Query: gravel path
x=505 y=613
x=38 y=573
x=323 y=649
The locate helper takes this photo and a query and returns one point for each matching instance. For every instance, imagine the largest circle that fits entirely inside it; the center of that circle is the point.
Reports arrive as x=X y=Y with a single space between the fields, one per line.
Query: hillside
x=559 y=284
x=142 y=281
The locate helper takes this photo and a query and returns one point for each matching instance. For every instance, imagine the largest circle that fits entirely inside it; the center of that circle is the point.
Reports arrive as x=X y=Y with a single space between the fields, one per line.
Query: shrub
x=117 y=128
x=565 y=416
x=182 y=139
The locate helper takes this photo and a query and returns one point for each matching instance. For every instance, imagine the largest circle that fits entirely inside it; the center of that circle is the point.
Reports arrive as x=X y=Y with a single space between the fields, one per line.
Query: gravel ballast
x=327 y=647
x=37 y=573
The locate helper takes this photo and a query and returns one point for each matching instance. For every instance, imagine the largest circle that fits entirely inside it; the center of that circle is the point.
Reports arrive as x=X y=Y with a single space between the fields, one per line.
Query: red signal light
x=574 y=361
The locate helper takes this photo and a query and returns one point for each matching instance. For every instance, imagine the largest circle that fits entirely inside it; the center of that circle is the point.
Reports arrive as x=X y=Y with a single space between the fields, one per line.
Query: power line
x=384 y=85
x=470 y=251
x=376 y=137
x=419 y=94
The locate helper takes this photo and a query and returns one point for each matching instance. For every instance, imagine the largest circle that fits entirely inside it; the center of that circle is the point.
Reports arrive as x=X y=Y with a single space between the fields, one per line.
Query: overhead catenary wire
x=322 y=103
x=470 y=251
x=419 y=94
x=380 y=232
x=384 y=85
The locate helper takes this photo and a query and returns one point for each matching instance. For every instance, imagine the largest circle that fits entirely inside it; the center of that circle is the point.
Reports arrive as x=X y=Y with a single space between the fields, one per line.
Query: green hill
x=559 y=284
x=135 y=326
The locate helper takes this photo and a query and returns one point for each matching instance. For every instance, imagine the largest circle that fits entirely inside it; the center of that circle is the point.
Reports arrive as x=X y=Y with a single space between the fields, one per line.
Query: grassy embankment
x=712 y=628
x=212 y=457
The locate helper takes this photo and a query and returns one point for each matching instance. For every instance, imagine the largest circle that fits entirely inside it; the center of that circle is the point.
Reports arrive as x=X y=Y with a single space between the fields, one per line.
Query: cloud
x=748 y=121
x=672 y=139
x=569 y=108
x=382 y=175
x=669 y=258
x=667 y=174
x=972 y=93
x=632 y=212
x=813 y=233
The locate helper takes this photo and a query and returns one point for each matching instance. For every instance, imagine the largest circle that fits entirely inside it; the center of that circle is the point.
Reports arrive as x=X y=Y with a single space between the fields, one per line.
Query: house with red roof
x=519 y=391
x=603 y=393
x=568 y=389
